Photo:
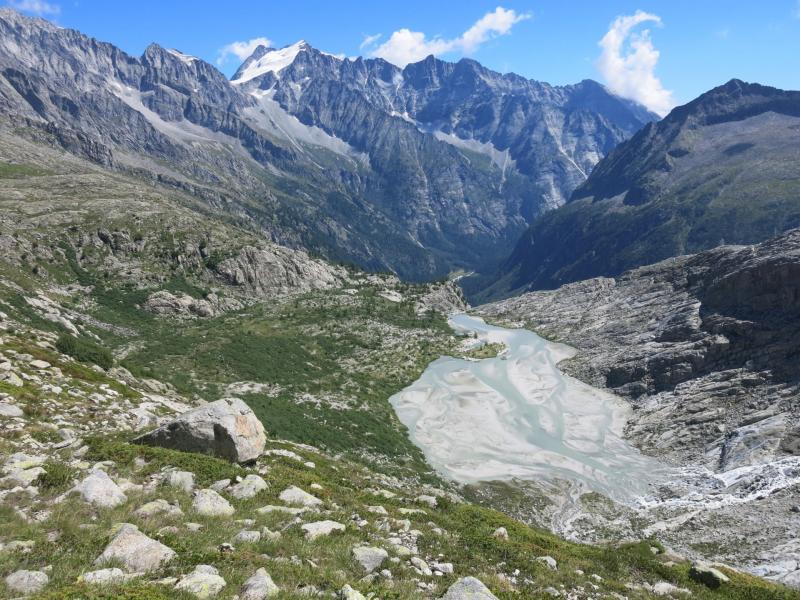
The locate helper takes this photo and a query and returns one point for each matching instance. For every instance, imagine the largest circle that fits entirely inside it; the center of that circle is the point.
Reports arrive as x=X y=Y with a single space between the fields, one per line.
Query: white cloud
x=36 y=7
x=241 y=50
x=406 y=46
x=628 y=61
x=369 y=40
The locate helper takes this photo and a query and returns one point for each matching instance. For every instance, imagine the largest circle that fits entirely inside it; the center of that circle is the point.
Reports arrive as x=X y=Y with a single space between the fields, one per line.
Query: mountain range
x=724 y=168
x=421 y=171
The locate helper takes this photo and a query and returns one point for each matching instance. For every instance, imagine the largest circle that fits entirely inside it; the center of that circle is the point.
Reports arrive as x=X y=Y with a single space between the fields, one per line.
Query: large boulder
x=226 y=428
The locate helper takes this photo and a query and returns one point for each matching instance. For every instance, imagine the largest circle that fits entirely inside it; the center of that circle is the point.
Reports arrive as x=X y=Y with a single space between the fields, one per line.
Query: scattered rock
x=370 y=557
x=181 y=479
x=248 y=487
x=295 y=496
x=27 y=582
x=707 y=575
x=100 y=490
x=101 y=577
x=10 y=410
x=548 y=561
x=321 y=528
x=468 y=588
x=135 y=551
x=210 y=504
x=204 y=582
x=157 y=507
x=348 y=593
x=500 y=533
x=226 y=428
x=247 y=536
x=429 y=500
x=258 y=587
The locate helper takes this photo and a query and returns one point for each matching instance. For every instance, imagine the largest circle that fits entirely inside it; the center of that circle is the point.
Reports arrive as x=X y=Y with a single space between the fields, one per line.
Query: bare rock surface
x=226 y=428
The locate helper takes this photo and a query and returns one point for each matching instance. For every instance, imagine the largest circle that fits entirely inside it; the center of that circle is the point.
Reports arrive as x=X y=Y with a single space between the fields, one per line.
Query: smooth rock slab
x=321 y=528
x=137 y=552
x=248 y=487
x=204 y=582
x=370 y=557
x=210 y=504
x=100 y=490
x=27 y=582
x=226 y=428
x=258 y=587
x=295 y=496
x=468 y=588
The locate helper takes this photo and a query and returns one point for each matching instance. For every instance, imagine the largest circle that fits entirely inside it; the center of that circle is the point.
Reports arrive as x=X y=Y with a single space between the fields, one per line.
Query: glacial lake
x=517 y=417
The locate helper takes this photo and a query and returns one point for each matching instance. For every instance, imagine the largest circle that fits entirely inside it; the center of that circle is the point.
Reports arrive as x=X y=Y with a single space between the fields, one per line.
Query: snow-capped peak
x=186 y=58
x=272 y=61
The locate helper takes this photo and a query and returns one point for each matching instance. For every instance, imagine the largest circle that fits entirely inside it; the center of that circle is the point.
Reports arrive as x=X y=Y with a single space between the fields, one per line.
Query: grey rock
x=203 y=583
x=112 y=576
x=348 y=593
x=181 y=479
x=249 y=487
x=10 y=410
x=226 y=428
x=369 y=557
x=295 y=496
x=158 y=507
x=247 y=536
x=210 y=504
x=468 y=588
x=258 y=587
x=27 y=582
x=708 y=575
x=135 y=551
x=99 y=489
x=321 y=528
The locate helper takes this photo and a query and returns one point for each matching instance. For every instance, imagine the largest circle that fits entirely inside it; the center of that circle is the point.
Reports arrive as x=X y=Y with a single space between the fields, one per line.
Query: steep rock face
x=706 y=347
x=419 y=171
x=721 y=169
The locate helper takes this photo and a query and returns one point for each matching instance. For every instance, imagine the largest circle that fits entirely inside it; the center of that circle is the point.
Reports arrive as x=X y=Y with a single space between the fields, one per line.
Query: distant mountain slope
x=420 y=171
x=724 y=168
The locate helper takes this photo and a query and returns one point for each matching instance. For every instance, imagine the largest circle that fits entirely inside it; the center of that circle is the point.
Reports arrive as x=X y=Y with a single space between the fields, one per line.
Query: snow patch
x=184 y=58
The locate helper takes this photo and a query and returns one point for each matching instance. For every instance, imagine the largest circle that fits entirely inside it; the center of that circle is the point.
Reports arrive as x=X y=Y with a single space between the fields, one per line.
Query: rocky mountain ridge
x=721 y=169
x=338 y=167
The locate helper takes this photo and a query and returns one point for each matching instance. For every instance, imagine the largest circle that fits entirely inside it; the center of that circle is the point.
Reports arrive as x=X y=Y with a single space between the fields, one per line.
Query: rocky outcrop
x=136 y=552
x=165 y=303
x=226 y=428
x=275 y=270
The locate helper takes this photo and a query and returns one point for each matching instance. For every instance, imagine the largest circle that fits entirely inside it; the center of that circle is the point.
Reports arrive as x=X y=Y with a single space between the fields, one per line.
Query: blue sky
x=692 y=45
